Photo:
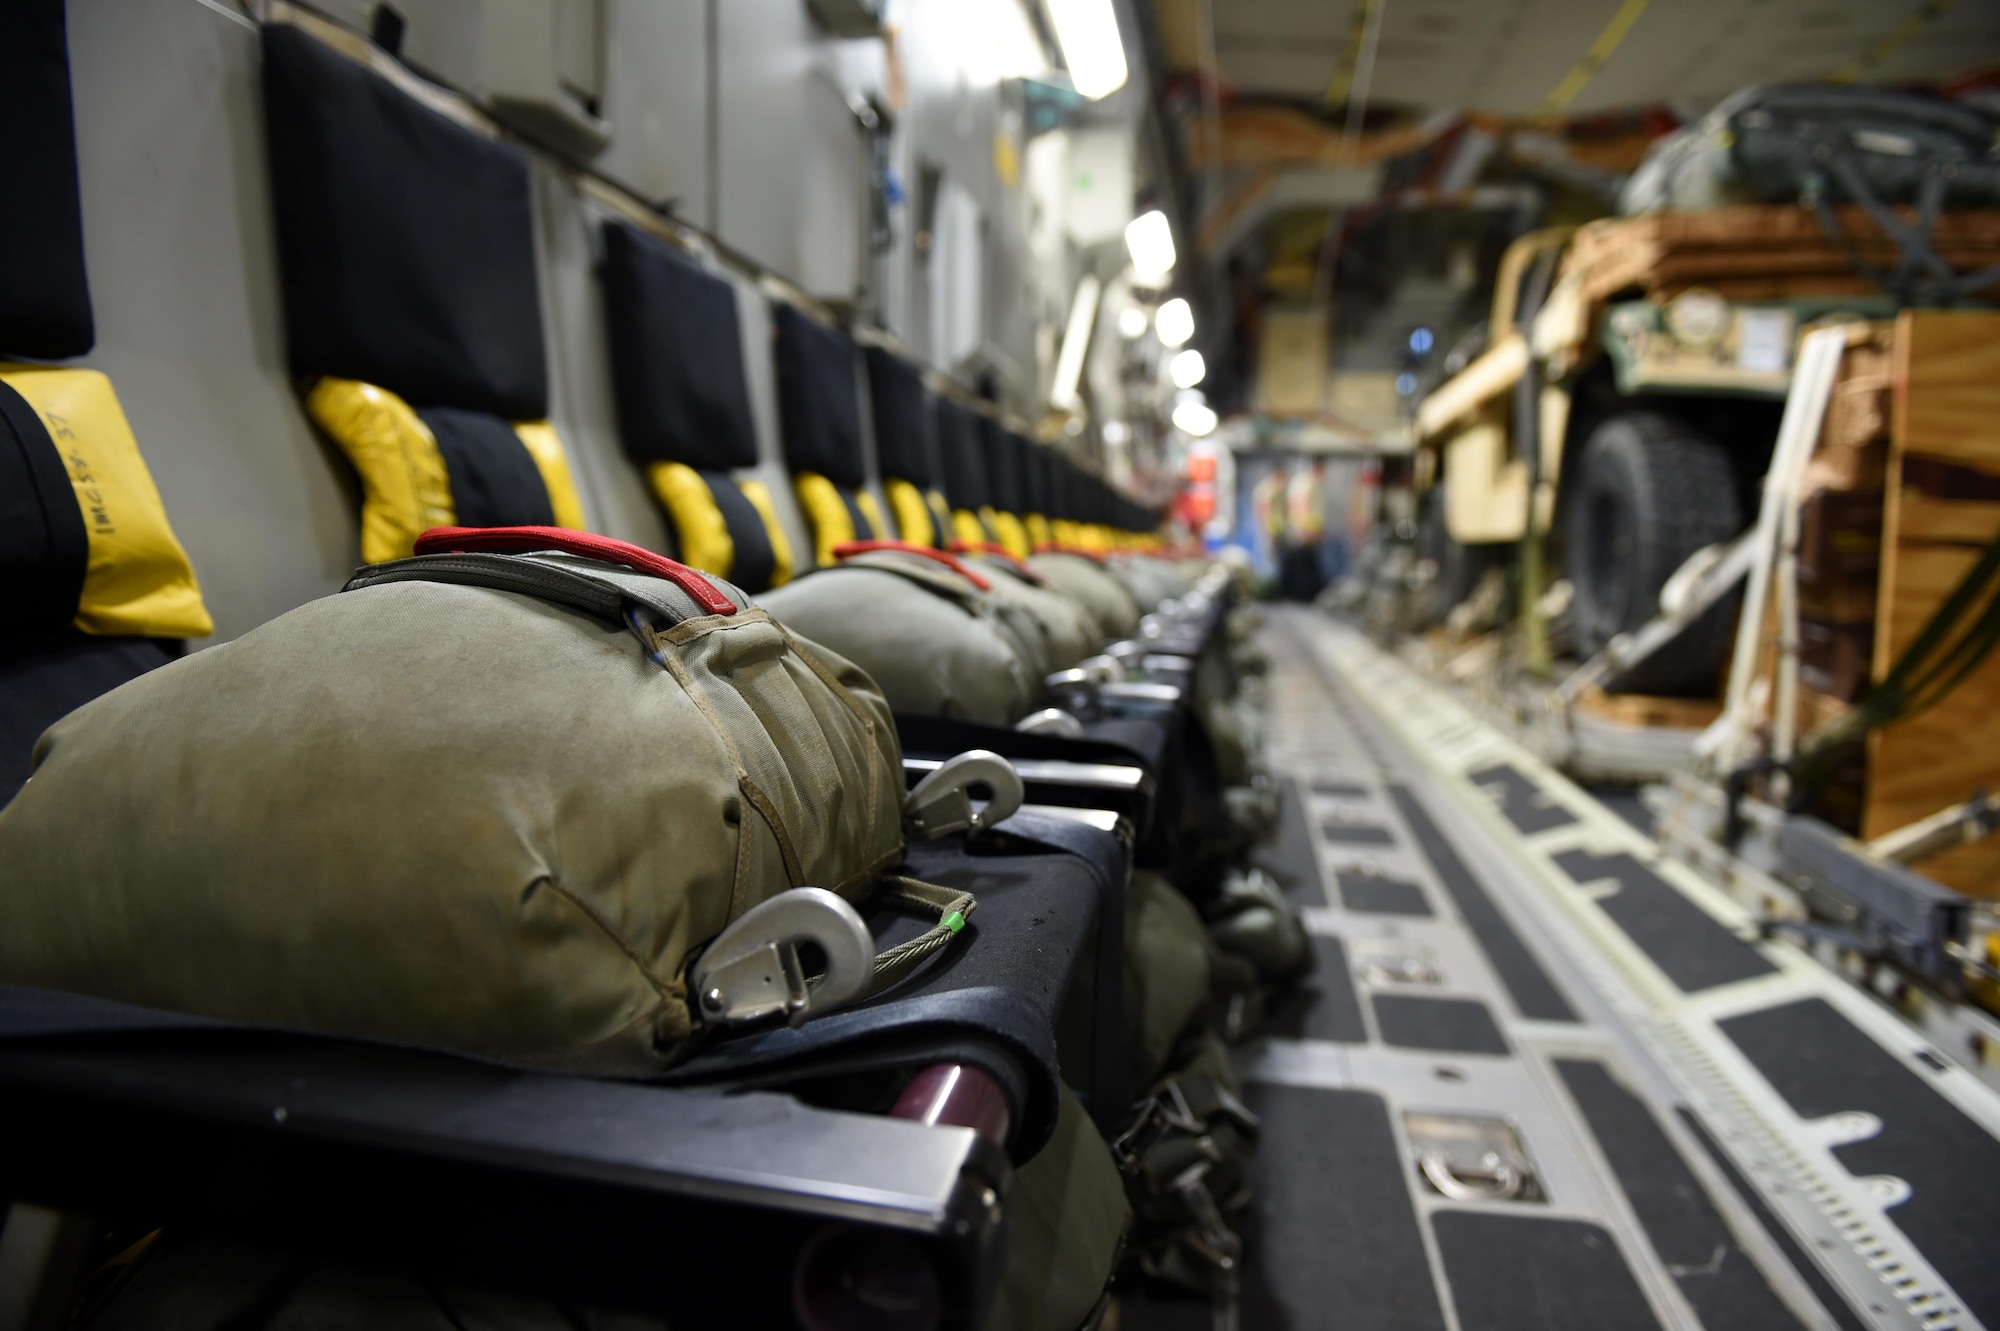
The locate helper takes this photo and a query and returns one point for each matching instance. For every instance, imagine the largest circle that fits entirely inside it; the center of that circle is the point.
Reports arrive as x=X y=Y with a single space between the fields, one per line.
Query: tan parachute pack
x=927 y=629
x=488 y=801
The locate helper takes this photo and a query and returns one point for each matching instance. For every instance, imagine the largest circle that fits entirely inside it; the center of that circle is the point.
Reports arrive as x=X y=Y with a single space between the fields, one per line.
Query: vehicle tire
x=1650 y=491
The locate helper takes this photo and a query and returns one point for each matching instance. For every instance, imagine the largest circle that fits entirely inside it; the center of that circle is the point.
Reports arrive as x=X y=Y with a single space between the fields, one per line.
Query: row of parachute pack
x=949 y=818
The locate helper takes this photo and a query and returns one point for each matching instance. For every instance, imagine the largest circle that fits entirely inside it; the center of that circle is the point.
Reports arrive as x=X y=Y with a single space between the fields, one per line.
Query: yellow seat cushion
x=1007 y=529
x=406 y=485
x=913 y=513
x=723 y=526
x=135 y=579
x=836 y=517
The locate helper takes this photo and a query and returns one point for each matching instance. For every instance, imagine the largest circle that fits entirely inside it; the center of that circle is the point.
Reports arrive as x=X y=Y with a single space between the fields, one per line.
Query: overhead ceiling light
x=1187 y=368
x=1197 y=418
x=1132 y=321
x=1117 y=432
x=994 y=40
x=1087 y=31
x=1175 y=322
x=1151 y=241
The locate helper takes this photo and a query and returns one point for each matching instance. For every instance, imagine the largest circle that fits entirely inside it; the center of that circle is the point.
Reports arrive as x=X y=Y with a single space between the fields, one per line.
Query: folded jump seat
x=684 y=407
x=94 y=588
x=906 y=448
x=962 y=468
x=412 y=314
x=658 y=1195
x=1005 y=453
x=819 y=409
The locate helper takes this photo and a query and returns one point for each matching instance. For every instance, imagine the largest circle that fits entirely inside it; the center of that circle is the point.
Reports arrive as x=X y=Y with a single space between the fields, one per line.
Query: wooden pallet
x=1757 y=252
x=1647 y=712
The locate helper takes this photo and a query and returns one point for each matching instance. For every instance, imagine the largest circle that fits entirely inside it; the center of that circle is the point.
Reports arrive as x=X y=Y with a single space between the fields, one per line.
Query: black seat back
x=44 y=293
x=405 y=239
x=406 y=255
x=962 y=464
x=47 y=666
x=906 y=449
x=819 y=406
x=683 y=403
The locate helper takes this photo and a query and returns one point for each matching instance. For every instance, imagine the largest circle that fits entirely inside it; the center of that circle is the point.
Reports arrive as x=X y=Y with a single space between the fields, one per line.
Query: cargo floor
x=1543 y=1078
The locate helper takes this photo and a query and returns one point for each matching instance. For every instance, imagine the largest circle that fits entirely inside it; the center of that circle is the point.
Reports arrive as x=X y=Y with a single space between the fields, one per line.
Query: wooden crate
x=1946 y=408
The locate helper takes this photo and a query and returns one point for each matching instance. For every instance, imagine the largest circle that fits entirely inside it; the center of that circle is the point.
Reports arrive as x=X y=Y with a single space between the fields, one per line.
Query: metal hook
x=752 y=969
x=1075 y=691
x=941 y=803
x=1128 y=654
x=1051 y=721
x=1103 y=669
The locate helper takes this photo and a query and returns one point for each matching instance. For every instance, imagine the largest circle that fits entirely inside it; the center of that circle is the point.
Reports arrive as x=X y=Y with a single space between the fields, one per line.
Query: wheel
x=1650 y=491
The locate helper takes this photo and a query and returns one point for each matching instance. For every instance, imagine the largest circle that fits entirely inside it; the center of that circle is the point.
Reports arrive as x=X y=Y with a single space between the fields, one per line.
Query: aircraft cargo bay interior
x=999 y=665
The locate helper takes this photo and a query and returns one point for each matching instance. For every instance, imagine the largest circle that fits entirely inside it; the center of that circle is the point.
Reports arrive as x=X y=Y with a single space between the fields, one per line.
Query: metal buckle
x=752 y=969
x=941 y=803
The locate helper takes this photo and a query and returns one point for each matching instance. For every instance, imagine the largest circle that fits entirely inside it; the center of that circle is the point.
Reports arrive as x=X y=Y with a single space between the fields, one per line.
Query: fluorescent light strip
x=1076 y=339
x=1151 y=240
x=1087 y=31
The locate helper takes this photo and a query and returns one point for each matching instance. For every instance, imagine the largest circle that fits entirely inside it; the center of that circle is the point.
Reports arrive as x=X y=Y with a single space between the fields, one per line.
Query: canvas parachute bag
x=491 y=798
x=1068 y=631
x=1086 y=581
x=925 y=628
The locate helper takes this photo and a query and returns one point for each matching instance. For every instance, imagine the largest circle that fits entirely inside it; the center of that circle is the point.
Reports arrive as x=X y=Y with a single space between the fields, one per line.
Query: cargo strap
x=1921 y=274
x=1184 y=1158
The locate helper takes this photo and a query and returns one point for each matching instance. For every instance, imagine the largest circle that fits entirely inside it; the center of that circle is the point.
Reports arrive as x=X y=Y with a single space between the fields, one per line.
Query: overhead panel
x=1509 y=58
x=1282 y=46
